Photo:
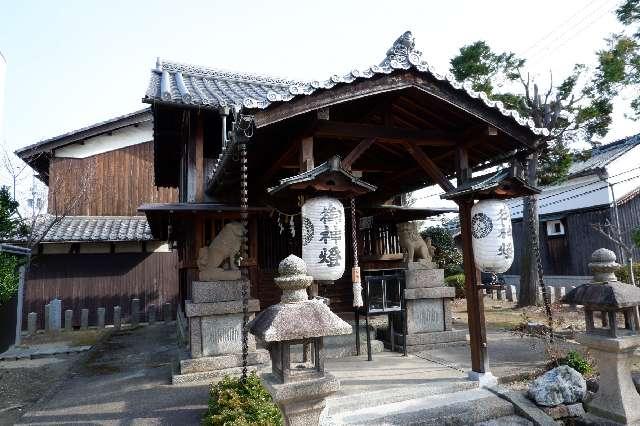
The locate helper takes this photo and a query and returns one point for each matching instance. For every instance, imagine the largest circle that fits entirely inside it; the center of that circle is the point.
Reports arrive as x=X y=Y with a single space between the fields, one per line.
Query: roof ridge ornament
x=403 y=54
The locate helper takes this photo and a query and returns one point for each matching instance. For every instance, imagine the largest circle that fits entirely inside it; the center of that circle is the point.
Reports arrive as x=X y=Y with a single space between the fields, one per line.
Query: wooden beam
x=277 y=165
x=429 y=166
x=306 y=154
x=339 y=129
x=356 y=153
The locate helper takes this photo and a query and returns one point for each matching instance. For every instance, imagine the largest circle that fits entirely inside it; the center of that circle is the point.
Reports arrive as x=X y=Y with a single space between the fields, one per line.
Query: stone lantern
x=299 y=388
x=613 y=343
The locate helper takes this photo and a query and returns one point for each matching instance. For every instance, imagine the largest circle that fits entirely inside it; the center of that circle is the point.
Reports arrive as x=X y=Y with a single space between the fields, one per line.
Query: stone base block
x=217 y=291
x=420 y=277
x=222 y=362
x=301 y=402
x=425 y=341
x=211 y=376
x=192 y=309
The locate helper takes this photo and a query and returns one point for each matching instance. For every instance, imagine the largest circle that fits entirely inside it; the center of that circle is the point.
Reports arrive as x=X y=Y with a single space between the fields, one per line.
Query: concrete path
x=509 y=354
x=124 y=380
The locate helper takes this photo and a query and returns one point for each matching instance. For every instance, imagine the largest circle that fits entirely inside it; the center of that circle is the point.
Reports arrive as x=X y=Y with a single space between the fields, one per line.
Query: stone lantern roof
x=605 y=292
x=296 y=317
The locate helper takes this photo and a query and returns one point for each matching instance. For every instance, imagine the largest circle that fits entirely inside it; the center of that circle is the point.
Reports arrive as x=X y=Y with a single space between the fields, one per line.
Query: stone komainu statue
x=412 y=243
x=225 y=246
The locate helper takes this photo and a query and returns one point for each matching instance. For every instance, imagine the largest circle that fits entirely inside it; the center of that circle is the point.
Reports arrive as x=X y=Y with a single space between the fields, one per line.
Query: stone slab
x=421 y=278
x=218 y=308
x=430 y=293
x=221 y=334
x=216 y=291
x=209 y=376
x=84 y=319
x=101 y=317
x=425 y=315
x=433 y=337
x=221 y=362
x=68 y=320
x=55 y=315
x=117 y=317
x=135 y=312
x=32 y=322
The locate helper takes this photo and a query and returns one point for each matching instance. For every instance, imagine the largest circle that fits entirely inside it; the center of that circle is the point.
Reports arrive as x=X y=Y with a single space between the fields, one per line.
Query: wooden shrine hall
x=389 y=129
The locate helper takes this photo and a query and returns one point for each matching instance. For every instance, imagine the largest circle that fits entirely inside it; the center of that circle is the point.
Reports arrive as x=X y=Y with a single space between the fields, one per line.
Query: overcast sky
x=74 y=63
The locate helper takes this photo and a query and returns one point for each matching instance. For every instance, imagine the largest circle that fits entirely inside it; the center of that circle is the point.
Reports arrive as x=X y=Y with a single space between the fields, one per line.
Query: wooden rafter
x=361 y=131
x=429 y=166
x=357 y=152
x=293 y=147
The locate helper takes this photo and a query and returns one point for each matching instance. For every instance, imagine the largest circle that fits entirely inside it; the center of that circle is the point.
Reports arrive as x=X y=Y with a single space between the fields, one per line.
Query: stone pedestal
x=617 y=398
x=428 y=309
x=301 y=403
x=215 y=332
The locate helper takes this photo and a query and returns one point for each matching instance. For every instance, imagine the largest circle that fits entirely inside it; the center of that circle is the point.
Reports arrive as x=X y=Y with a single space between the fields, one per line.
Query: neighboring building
x=595 y=188
x=96 y=250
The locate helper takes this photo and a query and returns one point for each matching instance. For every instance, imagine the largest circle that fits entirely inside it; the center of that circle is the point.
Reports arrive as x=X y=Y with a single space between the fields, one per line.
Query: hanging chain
x=244 y=250
x=354 y=236
x=355 y=272
x=546 y=297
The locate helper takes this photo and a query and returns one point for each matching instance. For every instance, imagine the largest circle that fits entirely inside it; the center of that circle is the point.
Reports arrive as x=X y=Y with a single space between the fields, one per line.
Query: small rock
x=561 y=385
x=592 y=385
x=562 y=411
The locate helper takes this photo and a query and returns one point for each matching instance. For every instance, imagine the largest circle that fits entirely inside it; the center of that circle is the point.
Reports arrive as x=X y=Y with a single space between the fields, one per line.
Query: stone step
x=212 y=376
x=198 y=365
x=507 y=421
x=457 y=408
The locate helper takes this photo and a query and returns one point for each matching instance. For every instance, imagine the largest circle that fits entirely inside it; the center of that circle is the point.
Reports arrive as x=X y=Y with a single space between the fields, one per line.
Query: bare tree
x=613 y=234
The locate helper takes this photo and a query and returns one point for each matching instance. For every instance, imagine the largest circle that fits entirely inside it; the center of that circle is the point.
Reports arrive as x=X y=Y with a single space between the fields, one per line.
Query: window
x=555 y=227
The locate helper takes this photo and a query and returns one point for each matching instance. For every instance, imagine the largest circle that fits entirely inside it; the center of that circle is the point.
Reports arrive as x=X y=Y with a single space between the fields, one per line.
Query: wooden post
x=306 y=154
x=199 y=158
x=475 y=301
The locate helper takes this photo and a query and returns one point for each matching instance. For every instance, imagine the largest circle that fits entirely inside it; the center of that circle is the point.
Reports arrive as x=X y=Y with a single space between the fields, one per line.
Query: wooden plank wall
x=568 y=254
x=113 y=183
x=101 y=280
x=629 y=216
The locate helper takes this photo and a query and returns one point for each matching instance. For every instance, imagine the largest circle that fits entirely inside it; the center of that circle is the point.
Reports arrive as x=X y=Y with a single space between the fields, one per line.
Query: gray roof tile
x=192 y=85
x=604 y=155
x=93 y=229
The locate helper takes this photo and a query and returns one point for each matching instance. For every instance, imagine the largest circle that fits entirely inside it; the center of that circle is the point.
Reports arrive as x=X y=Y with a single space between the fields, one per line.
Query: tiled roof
x=86 y=132
x=93 y=228
x=209 y=88
x=604 y=155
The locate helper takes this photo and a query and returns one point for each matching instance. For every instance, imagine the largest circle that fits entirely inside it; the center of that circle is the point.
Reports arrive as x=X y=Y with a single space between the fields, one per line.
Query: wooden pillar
x=199 y=158
x=306 y=154
x=475 y=301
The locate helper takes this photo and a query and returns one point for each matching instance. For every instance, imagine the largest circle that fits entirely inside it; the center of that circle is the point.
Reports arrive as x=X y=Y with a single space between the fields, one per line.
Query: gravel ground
x=24 y=382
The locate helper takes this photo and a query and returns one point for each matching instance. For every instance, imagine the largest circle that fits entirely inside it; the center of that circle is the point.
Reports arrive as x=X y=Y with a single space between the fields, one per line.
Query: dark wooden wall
x=568 y=254
x=629 y=216
x=113 y=183
x=101 y=280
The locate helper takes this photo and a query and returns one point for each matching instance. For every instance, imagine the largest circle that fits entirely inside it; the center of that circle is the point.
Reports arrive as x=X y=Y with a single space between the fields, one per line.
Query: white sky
x=74 y=63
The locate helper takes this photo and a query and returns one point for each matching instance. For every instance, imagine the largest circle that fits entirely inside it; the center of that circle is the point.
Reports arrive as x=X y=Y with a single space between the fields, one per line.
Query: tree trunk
x=529 y=269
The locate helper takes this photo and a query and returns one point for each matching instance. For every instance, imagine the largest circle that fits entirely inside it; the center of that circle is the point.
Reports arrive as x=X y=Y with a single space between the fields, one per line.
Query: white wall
x=121 y=138
x=582 y=192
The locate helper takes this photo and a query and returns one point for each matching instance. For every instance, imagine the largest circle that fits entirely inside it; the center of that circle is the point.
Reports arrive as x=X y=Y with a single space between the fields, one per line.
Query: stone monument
x=215 y=314
x=614 y=343
x=299 y=389
x=428 y=300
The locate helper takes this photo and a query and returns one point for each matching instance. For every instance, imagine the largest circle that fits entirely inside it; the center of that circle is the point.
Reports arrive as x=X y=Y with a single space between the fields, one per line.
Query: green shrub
x=9 y=277
x=456 y=281
x=623 y=273
x=576 y=361
x=233 y=403
x=447 y=255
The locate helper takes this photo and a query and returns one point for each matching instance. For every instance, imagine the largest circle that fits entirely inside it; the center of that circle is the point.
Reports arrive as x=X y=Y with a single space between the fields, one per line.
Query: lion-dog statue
x=416 y=249
x=224 y=247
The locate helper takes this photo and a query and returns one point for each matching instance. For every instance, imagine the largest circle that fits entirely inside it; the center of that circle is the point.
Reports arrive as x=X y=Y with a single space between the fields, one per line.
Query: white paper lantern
x=323 y=238
x=492 y=236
